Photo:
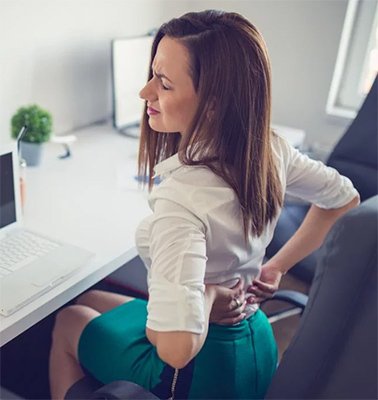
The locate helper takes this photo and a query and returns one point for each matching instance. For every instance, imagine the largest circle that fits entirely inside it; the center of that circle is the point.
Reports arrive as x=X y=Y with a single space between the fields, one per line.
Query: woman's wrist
x=276 y=266
x=210 y=294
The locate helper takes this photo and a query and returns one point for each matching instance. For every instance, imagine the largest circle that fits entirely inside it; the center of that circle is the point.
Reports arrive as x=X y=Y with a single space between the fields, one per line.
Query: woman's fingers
x=266 y=287
x=238 y=310
x=229 y=304
x=235 y=312
x=238 y=289
x=237 y=304
x=232 y=320
x=260 y=291
x=256 y=300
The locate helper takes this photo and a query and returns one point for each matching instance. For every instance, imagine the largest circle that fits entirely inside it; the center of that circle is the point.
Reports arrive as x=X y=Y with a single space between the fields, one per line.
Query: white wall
x=302 y=38
x=57 y=53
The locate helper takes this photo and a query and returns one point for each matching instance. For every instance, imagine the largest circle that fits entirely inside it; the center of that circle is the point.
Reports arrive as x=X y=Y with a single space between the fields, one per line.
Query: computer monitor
x=130 y=62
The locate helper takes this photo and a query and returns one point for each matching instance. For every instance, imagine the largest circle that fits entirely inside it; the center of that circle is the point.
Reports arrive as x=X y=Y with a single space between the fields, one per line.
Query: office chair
x=6 y=394
x=354 y=156
x=333 y=354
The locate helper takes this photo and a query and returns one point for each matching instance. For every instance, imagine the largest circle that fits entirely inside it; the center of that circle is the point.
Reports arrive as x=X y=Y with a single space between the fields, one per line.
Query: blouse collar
x=167 y=166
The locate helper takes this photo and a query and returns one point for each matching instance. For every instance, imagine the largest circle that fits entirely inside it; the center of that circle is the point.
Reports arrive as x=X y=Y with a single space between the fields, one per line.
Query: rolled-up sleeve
x=178 y=262
x=315 y=182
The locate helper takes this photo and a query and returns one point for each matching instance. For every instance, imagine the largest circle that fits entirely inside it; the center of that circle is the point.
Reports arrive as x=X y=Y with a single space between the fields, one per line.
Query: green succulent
x=38 y=121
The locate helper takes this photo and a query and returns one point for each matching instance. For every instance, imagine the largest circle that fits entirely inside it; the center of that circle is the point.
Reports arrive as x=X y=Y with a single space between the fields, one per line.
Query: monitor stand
x=132 y=130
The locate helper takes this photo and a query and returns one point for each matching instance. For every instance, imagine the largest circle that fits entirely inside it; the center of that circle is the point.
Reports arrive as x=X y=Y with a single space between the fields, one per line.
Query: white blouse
x=195 y=233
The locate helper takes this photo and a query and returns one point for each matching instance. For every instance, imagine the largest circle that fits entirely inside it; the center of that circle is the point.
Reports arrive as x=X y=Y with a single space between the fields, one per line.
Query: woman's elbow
x=348 y=206
x=355 y=201
x=177 y=348
x=176 y=358
x=352 y=204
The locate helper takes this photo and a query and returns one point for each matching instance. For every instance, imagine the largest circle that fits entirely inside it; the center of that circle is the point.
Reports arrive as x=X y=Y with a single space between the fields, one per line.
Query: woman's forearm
x=178 y=348
x=309 y=236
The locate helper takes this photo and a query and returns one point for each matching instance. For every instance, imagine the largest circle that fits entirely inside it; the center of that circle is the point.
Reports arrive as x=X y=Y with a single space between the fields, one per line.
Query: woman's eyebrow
x=158 y=75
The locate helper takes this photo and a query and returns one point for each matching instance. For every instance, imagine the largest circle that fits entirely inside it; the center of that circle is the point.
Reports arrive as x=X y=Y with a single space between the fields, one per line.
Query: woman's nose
x=147 y=92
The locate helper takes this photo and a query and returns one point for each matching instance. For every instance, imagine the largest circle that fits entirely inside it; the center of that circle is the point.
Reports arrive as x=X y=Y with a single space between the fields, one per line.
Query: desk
x=91 y=200
x=294 y=136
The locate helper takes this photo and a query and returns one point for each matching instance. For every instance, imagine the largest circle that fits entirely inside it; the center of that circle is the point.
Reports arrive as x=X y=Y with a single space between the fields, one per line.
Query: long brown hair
x=230 y=132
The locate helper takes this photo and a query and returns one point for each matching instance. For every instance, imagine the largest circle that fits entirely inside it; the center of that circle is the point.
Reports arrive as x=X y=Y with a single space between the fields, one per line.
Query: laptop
x=30 y=263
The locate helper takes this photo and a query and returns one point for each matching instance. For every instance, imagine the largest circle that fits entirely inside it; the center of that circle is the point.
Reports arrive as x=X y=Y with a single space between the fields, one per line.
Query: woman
x=206 y=133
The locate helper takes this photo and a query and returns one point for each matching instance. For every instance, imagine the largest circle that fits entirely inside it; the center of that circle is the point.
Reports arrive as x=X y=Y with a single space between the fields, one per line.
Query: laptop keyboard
x=20 y=249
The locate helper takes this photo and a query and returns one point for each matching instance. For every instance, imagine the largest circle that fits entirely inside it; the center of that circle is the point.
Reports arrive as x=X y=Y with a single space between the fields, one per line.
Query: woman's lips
x=152 y=111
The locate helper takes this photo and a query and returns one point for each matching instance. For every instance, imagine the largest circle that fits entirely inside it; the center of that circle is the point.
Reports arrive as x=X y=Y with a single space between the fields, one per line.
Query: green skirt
x=236 y=362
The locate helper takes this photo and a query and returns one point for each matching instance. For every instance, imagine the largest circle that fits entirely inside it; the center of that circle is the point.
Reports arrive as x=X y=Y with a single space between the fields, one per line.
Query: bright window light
x=357 y=59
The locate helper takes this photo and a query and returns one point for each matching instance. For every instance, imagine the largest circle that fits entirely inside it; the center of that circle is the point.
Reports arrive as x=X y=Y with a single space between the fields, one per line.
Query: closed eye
x=161 y=77
x=164 y=86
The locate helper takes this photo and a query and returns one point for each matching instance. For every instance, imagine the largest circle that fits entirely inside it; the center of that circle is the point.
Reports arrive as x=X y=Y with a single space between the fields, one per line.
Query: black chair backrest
x=355 y=155
x=334 y=352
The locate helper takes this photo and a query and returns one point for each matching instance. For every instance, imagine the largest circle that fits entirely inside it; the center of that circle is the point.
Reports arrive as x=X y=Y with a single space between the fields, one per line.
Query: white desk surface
x=91 y=200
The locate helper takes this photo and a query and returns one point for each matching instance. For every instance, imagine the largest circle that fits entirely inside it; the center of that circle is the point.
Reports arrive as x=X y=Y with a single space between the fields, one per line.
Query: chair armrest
x=123 y=390
x=297 y=302
x=293 y=297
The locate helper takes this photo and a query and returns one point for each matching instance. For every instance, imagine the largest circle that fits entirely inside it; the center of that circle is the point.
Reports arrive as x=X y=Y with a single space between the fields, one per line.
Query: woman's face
x=170 y=95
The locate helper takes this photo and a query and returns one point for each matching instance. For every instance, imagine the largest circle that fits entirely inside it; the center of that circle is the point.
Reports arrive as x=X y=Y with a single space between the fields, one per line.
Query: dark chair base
x=84 y=388
x=90 y=388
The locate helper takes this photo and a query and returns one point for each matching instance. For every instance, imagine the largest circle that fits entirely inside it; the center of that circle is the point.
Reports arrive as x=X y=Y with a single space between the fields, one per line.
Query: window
x=357 y=59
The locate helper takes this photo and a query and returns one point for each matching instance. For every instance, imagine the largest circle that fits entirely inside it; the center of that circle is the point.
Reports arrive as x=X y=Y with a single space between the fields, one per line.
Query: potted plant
x=39 y=126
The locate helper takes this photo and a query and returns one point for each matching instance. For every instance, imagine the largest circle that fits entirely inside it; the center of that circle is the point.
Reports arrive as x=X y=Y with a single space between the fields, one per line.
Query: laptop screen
x=7 y=192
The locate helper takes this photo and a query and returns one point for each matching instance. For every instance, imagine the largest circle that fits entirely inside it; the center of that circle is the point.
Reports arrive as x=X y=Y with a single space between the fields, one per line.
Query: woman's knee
x=89 y=297
x=102 y=301
x=69 y=324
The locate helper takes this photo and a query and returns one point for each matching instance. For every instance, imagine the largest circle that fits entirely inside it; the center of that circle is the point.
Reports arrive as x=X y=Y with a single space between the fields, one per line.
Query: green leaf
x=38 y=121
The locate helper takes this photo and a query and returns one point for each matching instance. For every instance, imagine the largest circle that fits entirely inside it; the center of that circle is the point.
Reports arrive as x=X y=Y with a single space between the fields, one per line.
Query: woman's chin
x=156 y=127
x=159 y=128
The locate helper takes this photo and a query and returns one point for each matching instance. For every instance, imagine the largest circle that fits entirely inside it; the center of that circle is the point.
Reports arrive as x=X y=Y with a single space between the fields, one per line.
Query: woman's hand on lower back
x=229 y=304
x=266 y=285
